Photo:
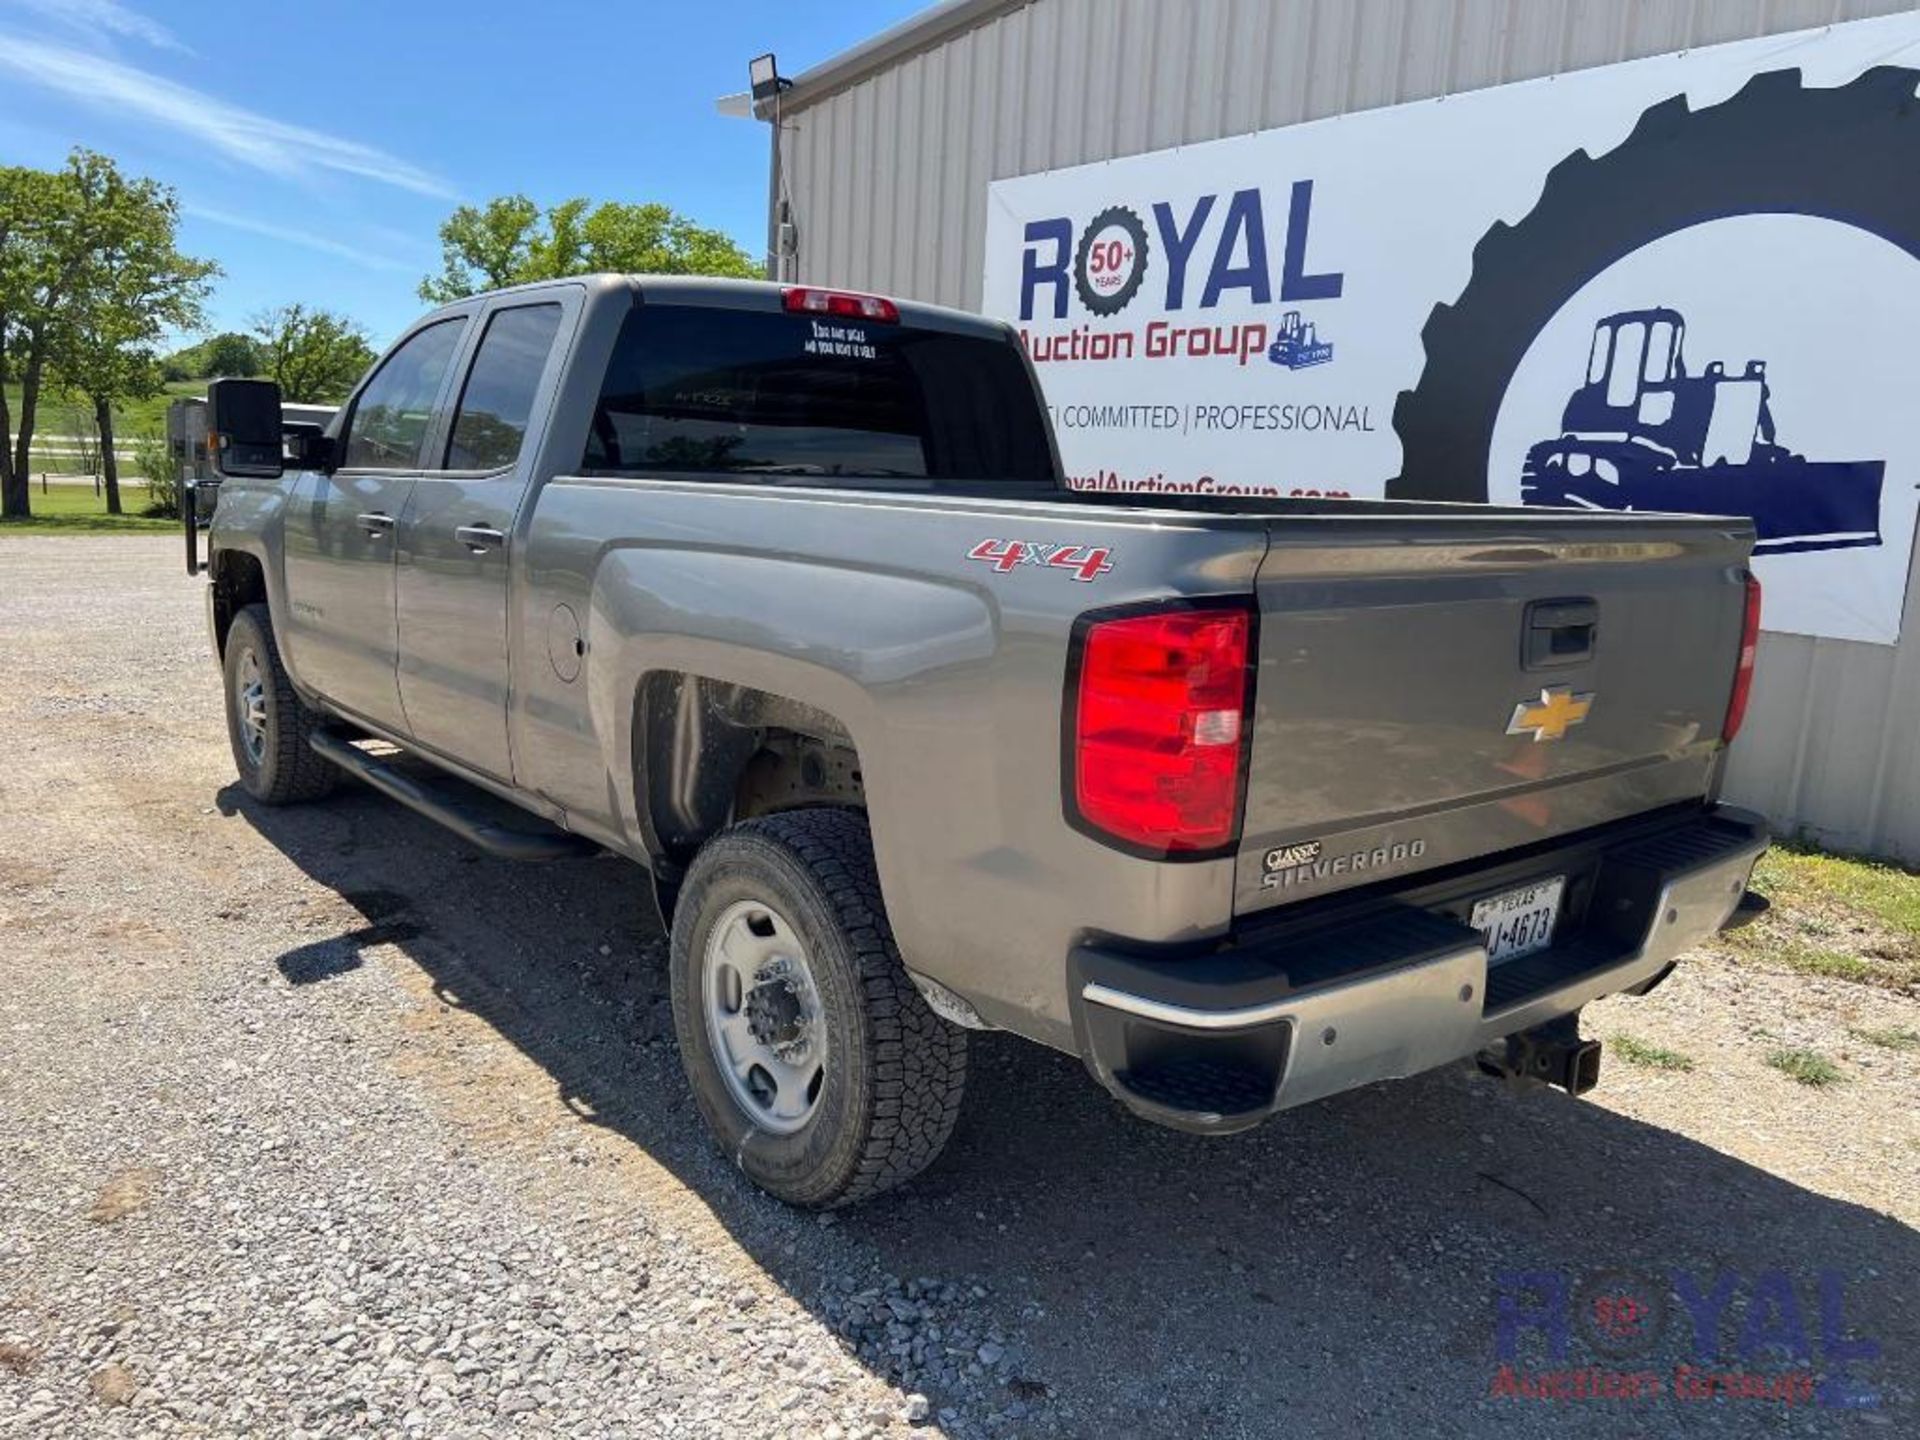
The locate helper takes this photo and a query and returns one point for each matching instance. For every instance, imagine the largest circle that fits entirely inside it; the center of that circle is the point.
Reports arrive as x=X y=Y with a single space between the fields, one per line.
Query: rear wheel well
x=238 y=581
x=708 y=753
x=792 y=770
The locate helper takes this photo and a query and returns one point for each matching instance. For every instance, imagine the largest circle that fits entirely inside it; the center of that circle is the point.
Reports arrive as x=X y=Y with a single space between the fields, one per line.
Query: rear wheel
x=267 y=723
x=817 y=1066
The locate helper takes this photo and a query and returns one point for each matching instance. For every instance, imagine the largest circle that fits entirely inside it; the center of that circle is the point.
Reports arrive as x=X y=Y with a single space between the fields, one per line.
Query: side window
x=1629 y=350
x=492 y=418
x=1659 y=353
x=389 y=421
x=1597 y=360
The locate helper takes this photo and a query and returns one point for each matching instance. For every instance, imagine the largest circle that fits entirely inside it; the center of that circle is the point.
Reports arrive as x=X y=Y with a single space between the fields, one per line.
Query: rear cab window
x=746 y=394
x=490 y=423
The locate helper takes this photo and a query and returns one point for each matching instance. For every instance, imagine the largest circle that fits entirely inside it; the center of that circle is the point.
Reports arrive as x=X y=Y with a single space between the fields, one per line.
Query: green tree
x=20 y=243
x=33 y=280
x=134 y=286
x=510 y=241
x=153 y=458
x=81 y=248
x=228 y=353
x=315 y=355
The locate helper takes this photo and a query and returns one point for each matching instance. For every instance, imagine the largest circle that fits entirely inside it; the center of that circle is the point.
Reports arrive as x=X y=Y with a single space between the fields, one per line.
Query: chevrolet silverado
x=779 y=592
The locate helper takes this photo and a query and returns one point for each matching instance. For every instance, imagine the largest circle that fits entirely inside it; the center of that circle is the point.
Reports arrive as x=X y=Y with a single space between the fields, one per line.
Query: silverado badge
x=1550 y=717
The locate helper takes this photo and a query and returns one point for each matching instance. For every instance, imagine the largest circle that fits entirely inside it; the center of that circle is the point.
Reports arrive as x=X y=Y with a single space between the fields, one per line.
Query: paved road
x=312 y=1121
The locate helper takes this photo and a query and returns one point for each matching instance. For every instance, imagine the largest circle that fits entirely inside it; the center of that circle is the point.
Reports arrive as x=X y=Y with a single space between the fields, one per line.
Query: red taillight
x=1743 y=672
x=844 y=303
x=1157 y=728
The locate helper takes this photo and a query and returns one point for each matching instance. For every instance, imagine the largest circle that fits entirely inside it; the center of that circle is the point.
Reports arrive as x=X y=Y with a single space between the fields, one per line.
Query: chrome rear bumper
x=1218 y=1041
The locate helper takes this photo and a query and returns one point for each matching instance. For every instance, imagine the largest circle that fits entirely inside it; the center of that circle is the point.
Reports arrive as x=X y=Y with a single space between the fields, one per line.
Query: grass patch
x=1809 y=1067
x=1836 y=917
x=1833 y=964
x=1891 y=1037
x=55 y=462
x=75 y=509
x=1889 y=893
x=1649 y=1056
x=59 y=415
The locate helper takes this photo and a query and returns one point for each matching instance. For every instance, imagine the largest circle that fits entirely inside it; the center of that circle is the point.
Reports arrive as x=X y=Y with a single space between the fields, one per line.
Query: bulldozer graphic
x=1642 y=433
x=1297 y=345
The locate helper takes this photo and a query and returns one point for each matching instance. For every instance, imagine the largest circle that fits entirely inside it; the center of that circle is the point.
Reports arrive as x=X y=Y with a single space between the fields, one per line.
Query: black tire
x=1775 y=147
x=894 y=1072
x=286 y=770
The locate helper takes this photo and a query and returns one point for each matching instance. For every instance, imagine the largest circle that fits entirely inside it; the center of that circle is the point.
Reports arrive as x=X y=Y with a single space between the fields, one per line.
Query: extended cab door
x=342 y=530
x=457 y=536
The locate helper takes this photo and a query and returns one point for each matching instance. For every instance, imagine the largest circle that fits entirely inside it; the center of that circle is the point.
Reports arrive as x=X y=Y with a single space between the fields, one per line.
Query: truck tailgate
x=1454 y=687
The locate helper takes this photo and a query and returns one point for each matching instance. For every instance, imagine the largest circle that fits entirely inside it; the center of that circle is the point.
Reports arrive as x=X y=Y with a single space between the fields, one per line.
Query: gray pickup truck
x=779 y=593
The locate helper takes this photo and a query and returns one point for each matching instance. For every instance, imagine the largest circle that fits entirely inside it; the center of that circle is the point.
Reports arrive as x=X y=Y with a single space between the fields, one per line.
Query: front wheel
x=817 y=1066
x=267 y=723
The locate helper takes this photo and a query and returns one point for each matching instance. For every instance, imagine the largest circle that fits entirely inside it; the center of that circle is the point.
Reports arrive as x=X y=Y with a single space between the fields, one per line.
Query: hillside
x=60 y=417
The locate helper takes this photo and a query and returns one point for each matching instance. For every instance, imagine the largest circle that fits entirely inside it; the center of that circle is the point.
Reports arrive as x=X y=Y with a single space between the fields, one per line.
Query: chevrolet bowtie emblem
x=1550 y=717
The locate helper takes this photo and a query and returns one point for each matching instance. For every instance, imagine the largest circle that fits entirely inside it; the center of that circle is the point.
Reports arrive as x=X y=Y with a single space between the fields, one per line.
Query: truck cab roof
x=704 y=290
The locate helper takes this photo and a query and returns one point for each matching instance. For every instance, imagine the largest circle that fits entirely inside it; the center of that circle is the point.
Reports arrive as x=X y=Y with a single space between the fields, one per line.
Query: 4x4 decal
x=1081 y=562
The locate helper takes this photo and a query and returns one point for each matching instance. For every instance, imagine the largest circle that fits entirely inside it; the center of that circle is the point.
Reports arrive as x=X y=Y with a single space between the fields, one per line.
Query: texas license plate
x=1519 y=922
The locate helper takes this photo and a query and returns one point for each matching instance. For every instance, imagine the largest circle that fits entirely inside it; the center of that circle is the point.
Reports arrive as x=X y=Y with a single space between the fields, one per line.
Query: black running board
x=465 y=820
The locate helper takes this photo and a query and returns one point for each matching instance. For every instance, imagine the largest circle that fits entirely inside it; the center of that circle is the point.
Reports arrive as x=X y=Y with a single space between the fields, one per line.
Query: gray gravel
x=313 y=1122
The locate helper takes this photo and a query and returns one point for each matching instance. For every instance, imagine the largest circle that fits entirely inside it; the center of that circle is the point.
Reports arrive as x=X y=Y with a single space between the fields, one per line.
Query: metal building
x=884 y=155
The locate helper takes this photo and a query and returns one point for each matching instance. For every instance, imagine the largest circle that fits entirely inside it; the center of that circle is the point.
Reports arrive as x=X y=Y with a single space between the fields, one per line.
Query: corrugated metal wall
x=887 y=179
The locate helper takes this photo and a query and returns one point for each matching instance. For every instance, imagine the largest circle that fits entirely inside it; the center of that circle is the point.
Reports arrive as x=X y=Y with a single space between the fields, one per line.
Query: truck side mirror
x=243 y=428
x=309 y=447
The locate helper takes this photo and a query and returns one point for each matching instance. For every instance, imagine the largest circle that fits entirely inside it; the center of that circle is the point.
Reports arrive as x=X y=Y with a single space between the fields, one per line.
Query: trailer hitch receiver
x=1552 y=1054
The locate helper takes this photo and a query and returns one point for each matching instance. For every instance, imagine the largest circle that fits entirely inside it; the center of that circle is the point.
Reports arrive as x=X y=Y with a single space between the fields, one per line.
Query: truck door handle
x=376 y=523
x=479 y=537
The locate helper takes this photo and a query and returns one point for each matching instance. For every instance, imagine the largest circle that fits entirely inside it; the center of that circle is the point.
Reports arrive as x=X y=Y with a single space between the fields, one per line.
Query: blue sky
x=316 y=147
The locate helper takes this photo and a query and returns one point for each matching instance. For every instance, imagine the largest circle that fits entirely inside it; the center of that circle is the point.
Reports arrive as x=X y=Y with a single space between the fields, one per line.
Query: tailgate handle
x=1559 y=632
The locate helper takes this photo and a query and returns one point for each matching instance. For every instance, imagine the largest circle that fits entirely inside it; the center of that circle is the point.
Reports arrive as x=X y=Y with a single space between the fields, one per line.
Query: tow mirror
x=309 y=447
x=243 y=428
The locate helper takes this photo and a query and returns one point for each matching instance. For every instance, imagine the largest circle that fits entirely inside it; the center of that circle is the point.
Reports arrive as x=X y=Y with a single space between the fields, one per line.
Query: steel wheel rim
x=764 y=1017
x=250 y=704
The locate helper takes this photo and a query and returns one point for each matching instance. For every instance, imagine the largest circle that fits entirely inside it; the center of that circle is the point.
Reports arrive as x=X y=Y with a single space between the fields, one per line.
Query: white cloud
x=245 y=136
x=106 y=17
x=292 y=235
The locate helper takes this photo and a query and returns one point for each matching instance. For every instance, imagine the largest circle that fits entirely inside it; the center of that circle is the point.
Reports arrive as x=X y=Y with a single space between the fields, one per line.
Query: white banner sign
x=1685 y=283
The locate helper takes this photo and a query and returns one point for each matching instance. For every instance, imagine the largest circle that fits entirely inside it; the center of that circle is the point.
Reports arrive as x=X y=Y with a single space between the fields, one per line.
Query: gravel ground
x=313 y=1122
